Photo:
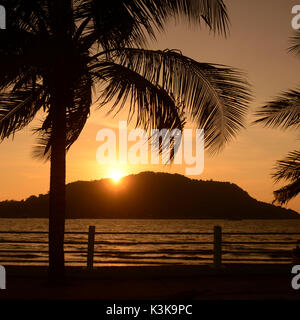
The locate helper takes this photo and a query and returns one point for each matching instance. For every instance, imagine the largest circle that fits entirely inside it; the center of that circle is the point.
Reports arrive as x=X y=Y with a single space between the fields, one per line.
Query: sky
x=257 y=44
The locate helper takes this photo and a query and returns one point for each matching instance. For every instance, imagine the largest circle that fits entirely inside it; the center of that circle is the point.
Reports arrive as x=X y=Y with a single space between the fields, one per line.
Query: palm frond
x=214 y=96
x=284 y=112
x=18 y=108
x=213 y=12
x=153 y=107
x=16 y=61
x=131 y=22
x=287 y=193
x=295 y=43
x=76 y=116
x=32 y=17
x=289 y=168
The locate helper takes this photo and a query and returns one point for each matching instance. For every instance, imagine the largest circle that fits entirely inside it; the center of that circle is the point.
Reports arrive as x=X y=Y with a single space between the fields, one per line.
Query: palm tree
x=54 y=52
x=284 y=113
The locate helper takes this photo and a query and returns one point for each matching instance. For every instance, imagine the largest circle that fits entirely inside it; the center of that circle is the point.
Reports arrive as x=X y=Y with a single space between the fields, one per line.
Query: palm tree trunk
x=62 y=24
x=57 y=208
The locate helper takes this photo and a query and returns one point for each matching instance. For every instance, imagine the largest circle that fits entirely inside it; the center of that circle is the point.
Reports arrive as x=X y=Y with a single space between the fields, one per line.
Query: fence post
x=91 y=243
x=217 y=246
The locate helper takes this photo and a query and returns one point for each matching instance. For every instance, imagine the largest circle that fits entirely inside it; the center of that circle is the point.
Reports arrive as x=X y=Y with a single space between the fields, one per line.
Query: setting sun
x=116 y=176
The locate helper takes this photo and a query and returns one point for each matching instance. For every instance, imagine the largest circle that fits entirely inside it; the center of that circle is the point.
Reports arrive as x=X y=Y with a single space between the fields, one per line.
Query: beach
x=231 y=282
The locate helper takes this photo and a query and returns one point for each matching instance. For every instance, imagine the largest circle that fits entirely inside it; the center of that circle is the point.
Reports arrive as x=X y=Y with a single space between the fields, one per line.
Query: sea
x=113 y=248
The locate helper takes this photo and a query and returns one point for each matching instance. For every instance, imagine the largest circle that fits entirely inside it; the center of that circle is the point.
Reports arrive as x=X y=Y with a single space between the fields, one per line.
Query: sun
x=116 y=176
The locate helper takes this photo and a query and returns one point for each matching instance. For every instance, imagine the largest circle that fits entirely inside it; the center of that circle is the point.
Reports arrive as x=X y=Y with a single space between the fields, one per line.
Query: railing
x=86 y=246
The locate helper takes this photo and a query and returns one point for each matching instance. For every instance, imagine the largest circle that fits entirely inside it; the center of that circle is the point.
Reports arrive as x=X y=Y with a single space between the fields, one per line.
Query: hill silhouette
x=150 y=195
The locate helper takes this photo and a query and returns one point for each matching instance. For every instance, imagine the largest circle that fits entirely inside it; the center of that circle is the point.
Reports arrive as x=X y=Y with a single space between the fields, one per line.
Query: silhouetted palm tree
x=54 y=52
x=284 y=113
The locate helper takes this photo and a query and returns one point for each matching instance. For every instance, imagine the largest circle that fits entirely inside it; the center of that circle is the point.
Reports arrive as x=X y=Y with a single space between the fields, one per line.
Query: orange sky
x=257 y=44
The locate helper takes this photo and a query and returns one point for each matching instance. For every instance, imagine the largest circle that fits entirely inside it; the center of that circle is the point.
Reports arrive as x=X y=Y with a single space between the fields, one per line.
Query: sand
x=231 y=282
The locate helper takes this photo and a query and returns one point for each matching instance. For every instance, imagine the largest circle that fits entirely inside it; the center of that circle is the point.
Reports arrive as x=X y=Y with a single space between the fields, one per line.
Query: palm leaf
x=16 y=58
x=76 y=116
x=18 y=108
x=153 y=107
x=131 y=22
x=214 y=96
x=284 y=112
x=295 y=43
x=287 y=193
x=289 y=168
x=32 y=17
